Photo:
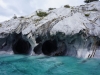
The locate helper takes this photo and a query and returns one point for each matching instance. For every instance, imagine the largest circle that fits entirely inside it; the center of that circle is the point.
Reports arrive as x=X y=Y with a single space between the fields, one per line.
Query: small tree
x=88 y=1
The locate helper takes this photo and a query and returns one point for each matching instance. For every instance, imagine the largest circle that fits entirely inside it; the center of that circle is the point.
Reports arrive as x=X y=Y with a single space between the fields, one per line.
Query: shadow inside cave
x=49 y=47
x=20 y=45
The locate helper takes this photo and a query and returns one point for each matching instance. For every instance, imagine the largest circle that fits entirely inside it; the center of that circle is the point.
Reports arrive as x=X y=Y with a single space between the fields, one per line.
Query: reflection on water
x=42 y=65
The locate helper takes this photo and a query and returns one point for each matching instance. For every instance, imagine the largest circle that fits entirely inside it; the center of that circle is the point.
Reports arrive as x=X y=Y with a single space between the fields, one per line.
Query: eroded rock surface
x=76 y=30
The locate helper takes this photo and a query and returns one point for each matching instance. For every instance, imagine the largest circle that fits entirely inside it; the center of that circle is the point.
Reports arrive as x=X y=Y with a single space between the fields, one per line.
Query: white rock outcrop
x=69 y=21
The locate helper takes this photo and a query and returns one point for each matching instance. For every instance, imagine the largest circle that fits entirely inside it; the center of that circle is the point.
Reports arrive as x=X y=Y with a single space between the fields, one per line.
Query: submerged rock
x=76 y=30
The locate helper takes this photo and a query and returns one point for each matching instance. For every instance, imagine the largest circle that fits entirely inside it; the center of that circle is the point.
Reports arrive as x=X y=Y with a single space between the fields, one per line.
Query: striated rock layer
x=70 y=31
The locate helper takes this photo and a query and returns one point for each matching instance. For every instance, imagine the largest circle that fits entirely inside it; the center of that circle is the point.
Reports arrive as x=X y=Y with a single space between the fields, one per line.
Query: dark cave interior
x=38 y=49
x=49 y=47
x=21 y=46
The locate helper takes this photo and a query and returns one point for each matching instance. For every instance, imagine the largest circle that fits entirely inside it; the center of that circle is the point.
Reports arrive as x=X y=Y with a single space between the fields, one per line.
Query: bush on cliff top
x=41 y=14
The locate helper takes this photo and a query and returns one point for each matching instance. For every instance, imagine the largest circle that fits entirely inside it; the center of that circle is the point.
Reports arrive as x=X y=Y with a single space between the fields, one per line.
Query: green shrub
x=22 y=17
x=0 y=25
x=51 y=8
x=66 y=6
x=88 y=1
x=41 y=14
x=87 y=15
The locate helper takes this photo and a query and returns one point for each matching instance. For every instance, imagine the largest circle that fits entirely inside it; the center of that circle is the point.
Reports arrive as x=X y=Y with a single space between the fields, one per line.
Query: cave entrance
x=49 y=47
x=21 y=46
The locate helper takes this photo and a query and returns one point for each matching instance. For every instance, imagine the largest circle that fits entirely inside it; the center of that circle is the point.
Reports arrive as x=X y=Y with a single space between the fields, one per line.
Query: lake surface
x=43 y=65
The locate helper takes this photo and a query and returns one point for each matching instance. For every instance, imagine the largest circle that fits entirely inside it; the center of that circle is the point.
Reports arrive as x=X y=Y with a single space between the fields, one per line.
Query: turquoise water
x=42 y=65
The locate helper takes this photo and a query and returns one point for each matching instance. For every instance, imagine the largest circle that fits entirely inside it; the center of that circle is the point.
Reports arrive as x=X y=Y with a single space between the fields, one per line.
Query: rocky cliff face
x=71 y=31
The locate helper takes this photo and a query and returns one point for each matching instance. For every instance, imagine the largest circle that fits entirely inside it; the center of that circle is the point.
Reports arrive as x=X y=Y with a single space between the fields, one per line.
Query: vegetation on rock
x=87 y=15
x=66 y=6
x=0 y=25
x=51 y=8
x=22 y=17
x=41 y=14
x=88 y=1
